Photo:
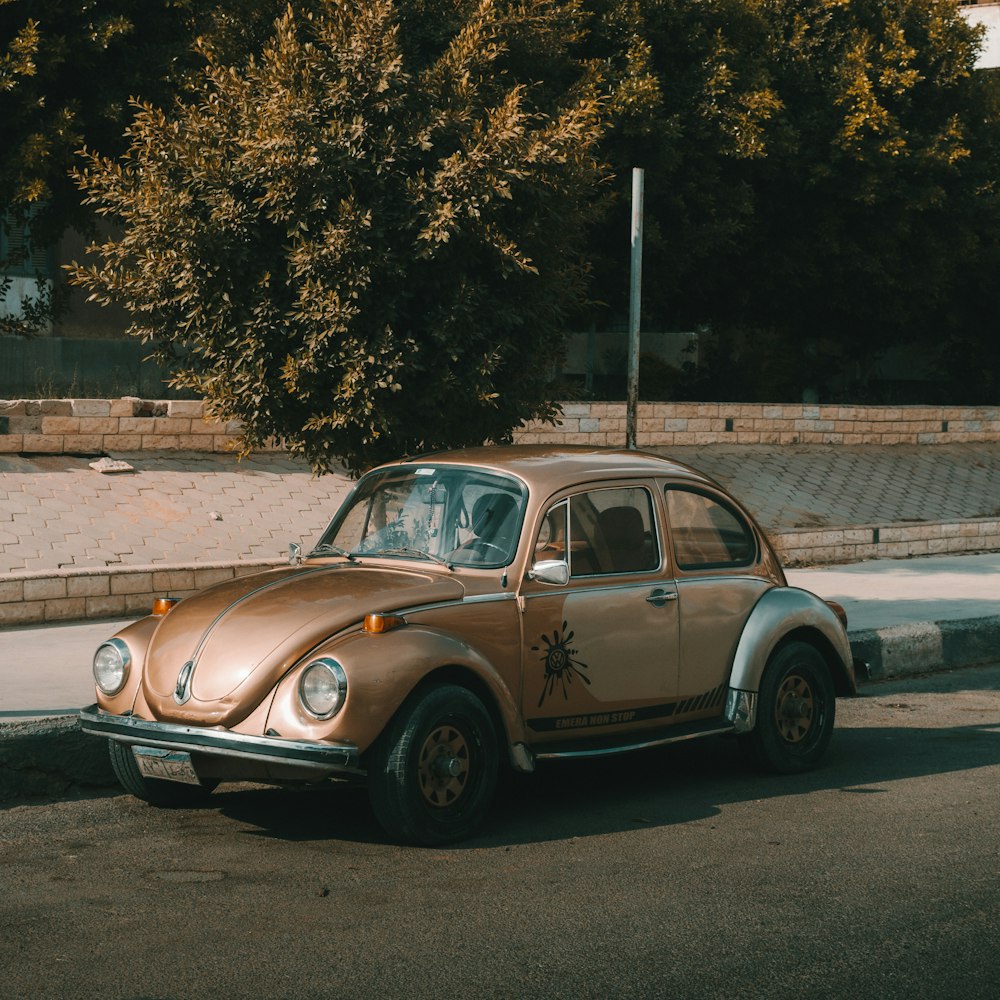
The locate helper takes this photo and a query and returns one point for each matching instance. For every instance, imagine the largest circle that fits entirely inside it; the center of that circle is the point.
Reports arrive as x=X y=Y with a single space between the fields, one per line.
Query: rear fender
x=781 y=613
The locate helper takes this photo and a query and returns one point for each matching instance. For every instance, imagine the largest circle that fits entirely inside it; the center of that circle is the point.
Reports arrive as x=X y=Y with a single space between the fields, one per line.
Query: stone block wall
x=100 y=426
x=108 y=592
x=97 y=426
x=825 y=546
x=666 y=424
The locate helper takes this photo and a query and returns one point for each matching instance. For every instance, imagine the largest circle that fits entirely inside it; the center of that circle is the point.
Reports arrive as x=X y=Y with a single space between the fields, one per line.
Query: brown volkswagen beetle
x=471 y=610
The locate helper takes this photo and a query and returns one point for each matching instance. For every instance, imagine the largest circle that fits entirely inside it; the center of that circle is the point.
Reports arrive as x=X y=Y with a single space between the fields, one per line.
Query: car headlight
x=111 y=663
x=323 y=688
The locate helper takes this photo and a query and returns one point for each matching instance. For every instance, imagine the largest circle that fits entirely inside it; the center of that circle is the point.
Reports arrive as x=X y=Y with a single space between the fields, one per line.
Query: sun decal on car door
x=560 y=665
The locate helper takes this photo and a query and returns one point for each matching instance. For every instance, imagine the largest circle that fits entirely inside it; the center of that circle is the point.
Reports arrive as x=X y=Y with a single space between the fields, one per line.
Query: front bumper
x=318 y=758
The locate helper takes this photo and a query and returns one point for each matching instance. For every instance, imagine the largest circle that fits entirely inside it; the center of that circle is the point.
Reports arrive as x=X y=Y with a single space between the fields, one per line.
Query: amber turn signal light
x=839 y=611
x=162 y=605
x=377 y=624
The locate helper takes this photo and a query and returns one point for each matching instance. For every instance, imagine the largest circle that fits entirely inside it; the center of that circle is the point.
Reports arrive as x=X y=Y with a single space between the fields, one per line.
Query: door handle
x=660 y=597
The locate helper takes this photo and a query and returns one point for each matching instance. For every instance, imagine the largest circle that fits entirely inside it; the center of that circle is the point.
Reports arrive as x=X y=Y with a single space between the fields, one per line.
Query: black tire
x=165 y=794
x=795 y=710
x=432 y=773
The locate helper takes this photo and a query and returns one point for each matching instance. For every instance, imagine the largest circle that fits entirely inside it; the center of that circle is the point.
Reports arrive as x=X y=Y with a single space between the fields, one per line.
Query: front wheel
x=156 y=793
x=795 y=710
x=432 y=773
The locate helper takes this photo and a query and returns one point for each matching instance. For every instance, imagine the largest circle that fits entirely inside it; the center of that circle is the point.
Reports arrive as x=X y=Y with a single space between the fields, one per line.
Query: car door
x=718 y=582
x=599 y=616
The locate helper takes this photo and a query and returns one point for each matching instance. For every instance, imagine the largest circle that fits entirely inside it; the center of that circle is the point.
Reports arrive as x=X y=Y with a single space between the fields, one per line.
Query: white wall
x=988 y=15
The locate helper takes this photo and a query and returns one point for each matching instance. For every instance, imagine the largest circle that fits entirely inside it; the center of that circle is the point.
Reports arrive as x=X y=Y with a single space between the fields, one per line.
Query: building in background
x=987 y=14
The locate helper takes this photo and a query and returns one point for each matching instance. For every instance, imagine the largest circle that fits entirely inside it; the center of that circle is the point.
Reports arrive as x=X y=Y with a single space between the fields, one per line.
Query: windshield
x=464 y=517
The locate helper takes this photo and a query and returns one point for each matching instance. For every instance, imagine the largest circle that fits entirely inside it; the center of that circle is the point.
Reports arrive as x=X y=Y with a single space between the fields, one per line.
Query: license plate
x=165 y=765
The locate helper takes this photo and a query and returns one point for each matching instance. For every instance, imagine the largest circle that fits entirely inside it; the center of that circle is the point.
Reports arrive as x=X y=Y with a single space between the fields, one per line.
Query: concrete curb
x=926 y=647
x=51 y=757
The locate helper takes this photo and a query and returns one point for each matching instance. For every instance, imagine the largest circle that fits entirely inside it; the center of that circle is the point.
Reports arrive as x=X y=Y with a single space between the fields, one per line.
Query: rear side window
x=707 y=534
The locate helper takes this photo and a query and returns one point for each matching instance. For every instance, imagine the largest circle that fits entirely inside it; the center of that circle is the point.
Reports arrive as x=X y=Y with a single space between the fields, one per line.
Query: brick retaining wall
x=95 y=426
x=98 y=426
x=665 y=424
x=823 y=546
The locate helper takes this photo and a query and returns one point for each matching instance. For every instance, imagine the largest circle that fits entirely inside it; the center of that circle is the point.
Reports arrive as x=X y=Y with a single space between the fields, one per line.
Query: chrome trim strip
x=707 y=576
x=476 y=599
x=322 y=757
x=644 y=745
x=632 y=585
x=488 y=598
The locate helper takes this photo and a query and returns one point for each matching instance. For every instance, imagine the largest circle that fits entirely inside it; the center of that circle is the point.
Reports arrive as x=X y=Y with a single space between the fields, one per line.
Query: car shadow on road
x=656 y=788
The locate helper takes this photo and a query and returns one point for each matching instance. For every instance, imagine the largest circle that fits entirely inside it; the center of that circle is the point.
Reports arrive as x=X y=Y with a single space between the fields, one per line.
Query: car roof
x=552 y=467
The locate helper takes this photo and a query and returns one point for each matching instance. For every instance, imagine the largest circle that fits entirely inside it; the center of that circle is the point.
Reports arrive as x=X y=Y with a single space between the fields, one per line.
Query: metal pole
x=634 y=309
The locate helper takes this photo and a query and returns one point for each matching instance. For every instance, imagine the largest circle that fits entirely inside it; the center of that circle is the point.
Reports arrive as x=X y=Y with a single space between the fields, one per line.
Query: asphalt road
x=678 y=873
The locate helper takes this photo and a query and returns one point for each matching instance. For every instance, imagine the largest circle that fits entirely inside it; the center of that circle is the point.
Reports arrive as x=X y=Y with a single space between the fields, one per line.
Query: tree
x=364 y=241
x=878 y=198
x=820 y=182
x=67 y=72
x=872 y=195
x=691 y=101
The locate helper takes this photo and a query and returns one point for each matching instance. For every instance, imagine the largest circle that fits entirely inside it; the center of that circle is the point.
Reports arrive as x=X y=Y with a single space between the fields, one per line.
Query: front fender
x=137 y=637
x=381 y=672
x=780 y=612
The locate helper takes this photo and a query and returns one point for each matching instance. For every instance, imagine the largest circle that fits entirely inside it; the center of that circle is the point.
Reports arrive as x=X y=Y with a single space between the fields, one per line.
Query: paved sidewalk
x=822 y=486
x=45 y=671
x=886 y=593
x=56 y=513
x=902 y=607
x=916 y=615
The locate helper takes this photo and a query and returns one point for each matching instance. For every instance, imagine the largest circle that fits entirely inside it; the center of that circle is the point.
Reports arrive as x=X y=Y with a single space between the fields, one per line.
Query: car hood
x=242 y=636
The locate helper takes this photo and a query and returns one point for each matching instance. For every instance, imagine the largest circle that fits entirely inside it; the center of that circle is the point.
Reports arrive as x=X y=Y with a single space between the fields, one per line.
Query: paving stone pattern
x=57 y=513
x=802 y=486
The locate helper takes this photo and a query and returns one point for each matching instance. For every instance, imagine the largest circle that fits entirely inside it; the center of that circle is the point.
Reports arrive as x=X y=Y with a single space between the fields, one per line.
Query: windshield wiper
x=328 y=549
x=403 y=550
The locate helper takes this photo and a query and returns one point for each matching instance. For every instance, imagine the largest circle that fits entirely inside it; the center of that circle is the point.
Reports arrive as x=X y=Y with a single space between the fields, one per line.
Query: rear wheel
x=432 y=773
x=156 y=793
x=795 y=710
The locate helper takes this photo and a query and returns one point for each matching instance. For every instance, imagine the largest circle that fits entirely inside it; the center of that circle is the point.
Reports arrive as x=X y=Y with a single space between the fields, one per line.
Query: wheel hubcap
x=443 y=766
x=794 y=708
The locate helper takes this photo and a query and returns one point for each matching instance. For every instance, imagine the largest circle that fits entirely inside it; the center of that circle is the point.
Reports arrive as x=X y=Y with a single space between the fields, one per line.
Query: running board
x=605 y=747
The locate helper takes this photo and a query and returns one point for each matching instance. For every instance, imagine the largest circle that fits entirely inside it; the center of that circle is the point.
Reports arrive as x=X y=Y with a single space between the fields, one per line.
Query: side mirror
x=294 y=554
x=554 y=571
